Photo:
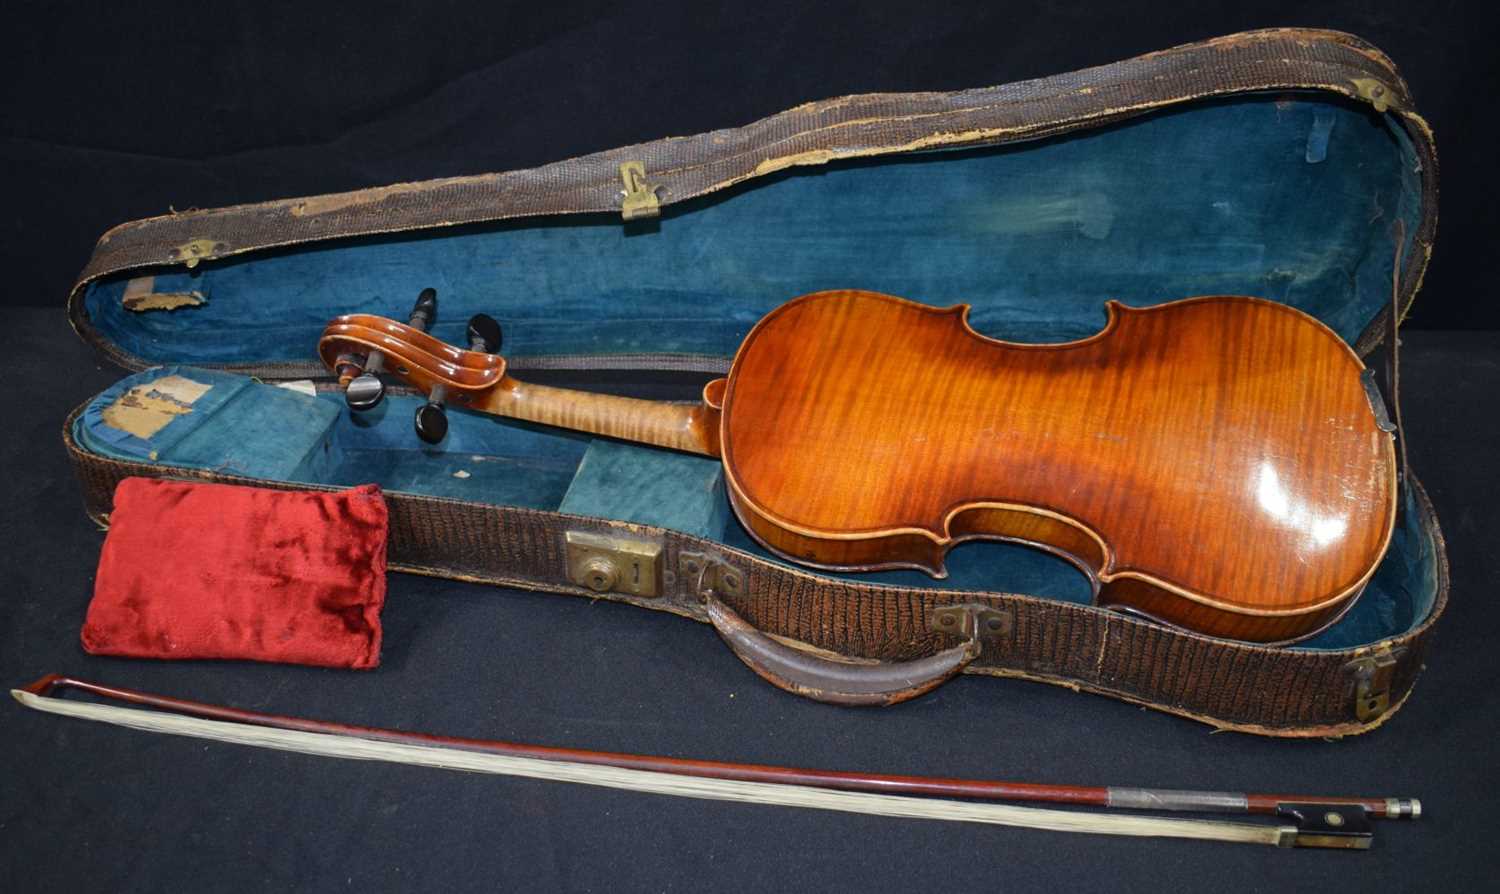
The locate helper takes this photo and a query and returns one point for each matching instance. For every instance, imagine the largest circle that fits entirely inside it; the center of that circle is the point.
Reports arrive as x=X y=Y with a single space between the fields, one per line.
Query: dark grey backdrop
x=113 y=113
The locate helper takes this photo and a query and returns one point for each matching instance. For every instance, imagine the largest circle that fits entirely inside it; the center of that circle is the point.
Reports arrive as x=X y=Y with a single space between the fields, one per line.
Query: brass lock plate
x=1372 y=682
x=608 y=564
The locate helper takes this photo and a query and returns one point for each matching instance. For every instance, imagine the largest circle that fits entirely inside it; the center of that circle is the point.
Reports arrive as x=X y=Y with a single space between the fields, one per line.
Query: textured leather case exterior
x=1260 y=689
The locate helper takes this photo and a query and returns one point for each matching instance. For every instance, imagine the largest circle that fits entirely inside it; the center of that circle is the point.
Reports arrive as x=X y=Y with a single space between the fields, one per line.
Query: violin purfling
x=1216 y=463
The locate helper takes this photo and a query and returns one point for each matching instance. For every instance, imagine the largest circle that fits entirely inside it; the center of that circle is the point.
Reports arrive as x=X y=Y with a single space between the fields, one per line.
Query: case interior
x=1285 y=196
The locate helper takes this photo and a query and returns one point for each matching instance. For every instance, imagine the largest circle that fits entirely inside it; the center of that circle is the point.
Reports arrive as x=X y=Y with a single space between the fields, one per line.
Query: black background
x=122 y=111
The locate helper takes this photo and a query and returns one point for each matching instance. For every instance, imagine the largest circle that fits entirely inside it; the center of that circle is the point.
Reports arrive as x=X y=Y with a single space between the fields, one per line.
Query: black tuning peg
x=431 y=421
x=424 y=311
x=484 y=334
x=367 y=391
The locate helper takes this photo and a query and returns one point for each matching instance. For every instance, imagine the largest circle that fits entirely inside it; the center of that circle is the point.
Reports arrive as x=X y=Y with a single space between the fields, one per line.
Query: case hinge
x=190 y=253
x=969 y=620
x=638 y=198
x=605 y=563
x=709 y=575
x=1372 y=682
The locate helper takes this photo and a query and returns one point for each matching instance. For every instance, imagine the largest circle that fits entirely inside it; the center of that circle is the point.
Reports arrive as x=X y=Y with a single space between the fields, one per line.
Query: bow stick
x=1314 y=821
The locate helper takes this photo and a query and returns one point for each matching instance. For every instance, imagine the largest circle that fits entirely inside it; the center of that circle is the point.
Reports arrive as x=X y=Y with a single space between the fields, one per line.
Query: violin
x=1216 y=463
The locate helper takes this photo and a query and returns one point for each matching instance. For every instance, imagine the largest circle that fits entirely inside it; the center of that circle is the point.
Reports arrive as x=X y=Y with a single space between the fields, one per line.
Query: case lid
x=1271 y=163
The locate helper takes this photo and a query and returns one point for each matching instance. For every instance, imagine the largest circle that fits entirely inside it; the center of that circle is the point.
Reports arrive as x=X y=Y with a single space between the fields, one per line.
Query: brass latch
x=606 y=563
x=1372 y=682
x=190 y=253
x=1375 y=93
x=638 y=199
x=708 y=575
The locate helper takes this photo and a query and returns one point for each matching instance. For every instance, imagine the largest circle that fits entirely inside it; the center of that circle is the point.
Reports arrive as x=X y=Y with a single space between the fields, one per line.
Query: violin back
x=1214 y=462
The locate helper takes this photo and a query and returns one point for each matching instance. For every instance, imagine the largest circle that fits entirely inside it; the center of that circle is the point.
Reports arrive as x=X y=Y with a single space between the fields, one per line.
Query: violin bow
x=1303 y=821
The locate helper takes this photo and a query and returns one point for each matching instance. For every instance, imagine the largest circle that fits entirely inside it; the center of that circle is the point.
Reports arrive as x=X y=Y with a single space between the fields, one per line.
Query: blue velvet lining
x=483 y=459
x=488 y=460
x=650 y=487
x=1287 y=197
x=124 y=445
x=213 y=434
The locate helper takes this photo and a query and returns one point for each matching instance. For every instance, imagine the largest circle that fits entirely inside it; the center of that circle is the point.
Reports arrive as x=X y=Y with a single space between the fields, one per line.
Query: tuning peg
x=431 y=421
x=348 y=366
x=424 y=311
x=366 y=391
x=484 y=334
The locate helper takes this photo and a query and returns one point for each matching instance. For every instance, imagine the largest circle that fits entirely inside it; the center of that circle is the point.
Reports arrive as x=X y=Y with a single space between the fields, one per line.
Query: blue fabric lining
x=124 y=445
x=1215 y=198
x=212 y=435
x=483 y=458
x=650 y=487
x=1317 y=138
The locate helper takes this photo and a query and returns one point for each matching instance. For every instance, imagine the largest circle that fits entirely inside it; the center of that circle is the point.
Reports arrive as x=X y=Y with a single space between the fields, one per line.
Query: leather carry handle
x=838 y=682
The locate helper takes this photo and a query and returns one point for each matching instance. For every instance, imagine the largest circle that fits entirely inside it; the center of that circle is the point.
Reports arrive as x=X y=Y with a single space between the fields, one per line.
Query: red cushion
x=222 y=571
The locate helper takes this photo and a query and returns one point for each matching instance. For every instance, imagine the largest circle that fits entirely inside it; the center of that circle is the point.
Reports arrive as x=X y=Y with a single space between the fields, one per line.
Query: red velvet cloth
x=222 y=571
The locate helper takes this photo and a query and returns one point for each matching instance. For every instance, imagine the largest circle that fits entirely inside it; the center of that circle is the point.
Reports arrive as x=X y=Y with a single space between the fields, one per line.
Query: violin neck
x=690 y=427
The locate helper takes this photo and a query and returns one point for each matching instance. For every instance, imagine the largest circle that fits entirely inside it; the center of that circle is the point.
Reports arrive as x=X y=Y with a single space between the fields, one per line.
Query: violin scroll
x=360 y=347
x=365 y=391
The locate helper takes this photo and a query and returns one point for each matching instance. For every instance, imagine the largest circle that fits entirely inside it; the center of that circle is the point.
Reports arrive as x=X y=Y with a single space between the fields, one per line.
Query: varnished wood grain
x=1212 y=462
x=690 y=427
x=479 y=382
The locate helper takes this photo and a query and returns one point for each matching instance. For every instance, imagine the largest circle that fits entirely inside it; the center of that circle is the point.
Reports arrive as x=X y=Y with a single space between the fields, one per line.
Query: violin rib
x=1212 y=462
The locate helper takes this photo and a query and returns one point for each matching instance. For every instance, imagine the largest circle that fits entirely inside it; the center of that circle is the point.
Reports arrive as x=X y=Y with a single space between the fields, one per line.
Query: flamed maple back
x=1213 y=462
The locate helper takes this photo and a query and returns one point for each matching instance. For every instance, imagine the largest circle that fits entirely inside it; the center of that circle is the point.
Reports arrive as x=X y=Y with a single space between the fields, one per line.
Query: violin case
x=1287 y=164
